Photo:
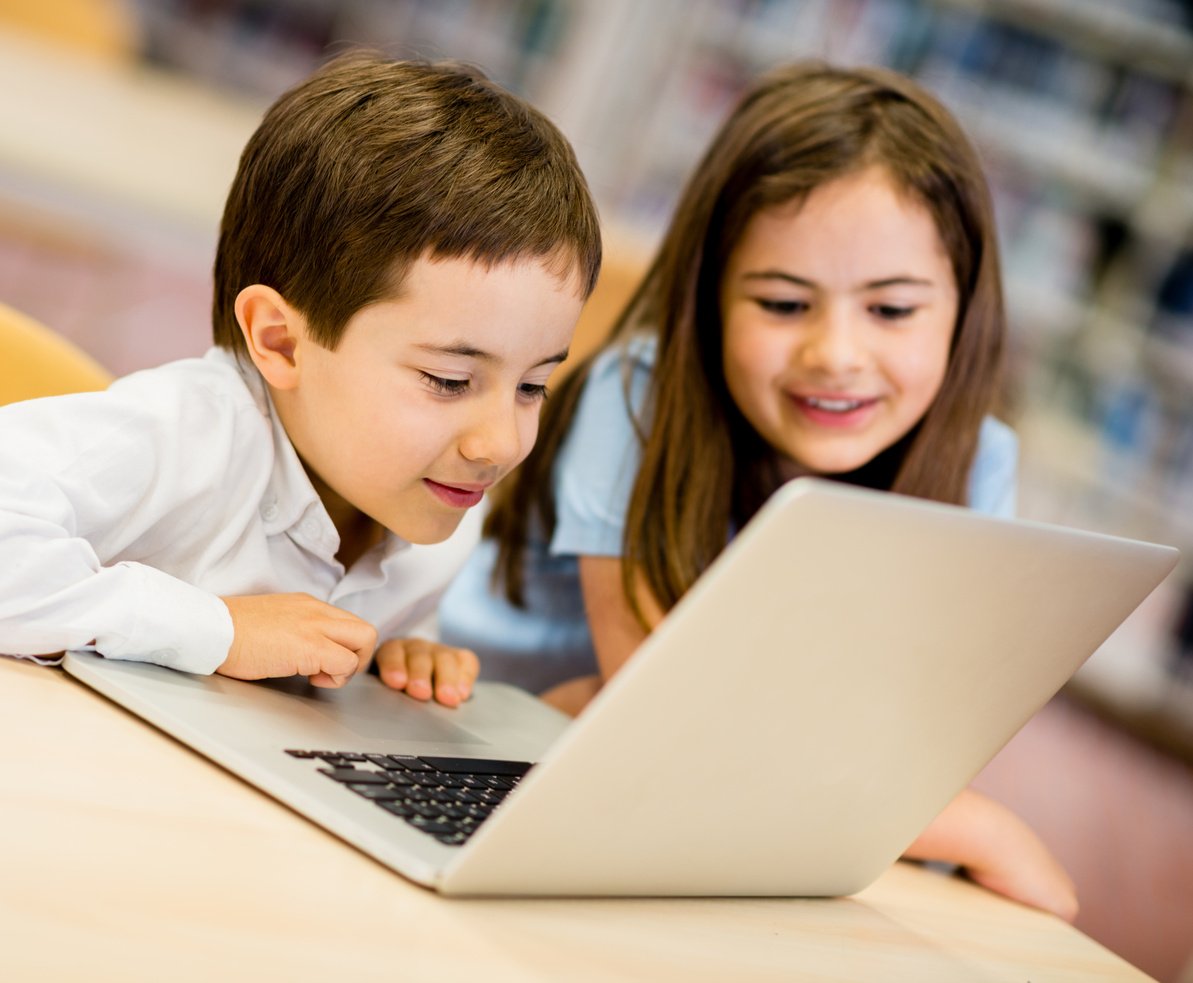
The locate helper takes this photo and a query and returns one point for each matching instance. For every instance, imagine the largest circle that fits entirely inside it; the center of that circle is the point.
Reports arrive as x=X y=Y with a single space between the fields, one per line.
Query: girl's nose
x=833 y=345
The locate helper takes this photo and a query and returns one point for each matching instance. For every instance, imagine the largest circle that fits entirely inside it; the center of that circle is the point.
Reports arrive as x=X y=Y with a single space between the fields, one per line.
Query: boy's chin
x=426 y=533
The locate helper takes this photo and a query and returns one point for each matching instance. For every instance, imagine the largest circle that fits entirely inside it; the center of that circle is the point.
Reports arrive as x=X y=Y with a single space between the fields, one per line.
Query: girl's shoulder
x=997 y=440
x=622 y=371
x=994 y=475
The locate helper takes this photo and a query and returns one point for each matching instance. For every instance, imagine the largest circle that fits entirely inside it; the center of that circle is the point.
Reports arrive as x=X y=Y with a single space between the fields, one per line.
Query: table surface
x=126 y=856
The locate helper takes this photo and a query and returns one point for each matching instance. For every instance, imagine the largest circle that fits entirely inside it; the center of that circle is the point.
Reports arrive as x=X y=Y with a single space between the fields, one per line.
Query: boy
x=403 y=256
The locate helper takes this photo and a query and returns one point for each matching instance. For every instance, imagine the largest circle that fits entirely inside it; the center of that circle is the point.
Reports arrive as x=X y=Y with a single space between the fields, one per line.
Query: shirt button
x=269 y=513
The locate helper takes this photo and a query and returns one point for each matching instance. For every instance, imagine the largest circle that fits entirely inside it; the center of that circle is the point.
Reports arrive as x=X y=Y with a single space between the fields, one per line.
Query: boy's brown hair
x=370 y=164
x=704 y=470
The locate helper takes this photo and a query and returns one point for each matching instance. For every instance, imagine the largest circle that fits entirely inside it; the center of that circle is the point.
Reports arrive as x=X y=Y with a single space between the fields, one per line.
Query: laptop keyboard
x=447 y=798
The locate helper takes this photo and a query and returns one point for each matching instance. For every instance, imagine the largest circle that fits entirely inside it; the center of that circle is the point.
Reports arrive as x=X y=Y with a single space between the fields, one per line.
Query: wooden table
x=128 y=857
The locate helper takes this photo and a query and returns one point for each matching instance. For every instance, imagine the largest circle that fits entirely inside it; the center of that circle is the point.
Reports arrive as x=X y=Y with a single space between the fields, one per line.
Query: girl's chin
x=824 y=464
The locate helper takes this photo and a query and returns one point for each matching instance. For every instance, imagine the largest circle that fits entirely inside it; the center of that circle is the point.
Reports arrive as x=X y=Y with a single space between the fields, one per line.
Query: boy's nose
x=493 y=437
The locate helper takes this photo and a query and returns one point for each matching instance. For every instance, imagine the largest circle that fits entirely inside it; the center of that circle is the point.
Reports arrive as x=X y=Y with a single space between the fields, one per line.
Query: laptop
x=844 y=668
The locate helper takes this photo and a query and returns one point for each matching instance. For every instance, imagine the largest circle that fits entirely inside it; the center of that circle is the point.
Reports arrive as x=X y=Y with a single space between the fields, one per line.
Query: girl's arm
x=999 y=851
x=616 y=632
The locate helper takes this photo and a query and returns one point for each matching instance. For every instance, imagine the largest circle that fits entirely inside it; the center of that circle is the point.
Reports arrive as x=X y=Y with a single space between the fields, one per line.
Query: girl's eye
x=782 y=307
x=892 y=312
x=447 y=387
x=533 y=391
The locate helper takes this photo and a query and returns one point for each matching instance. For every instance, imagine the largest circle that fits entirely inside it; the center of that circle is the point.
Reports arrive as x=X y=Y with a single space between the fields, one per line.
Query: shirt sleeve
x=994 y=476
x=82 y=479
x=598 y=462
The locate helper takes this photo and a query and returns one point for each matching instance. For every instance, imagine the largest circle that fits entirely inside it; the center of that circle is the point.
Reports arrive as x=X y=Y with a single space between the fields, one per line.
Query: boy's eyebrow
x=799 y=281
x=465 y=350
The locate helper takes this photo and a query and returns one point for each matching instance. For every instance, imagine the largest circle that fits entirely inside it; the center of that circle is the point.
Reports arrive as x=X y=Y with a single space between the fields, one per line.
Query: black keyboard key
x=477 y=766
x=378 y=792
x=409 y=762
x=431 y=825
x=445 y=797
x=356 y=775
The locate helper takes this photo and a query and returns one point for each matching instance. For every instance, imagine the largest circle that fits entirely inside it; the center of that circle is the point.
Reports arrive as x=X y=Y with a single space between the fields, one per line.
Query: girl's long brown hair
x=704 y=470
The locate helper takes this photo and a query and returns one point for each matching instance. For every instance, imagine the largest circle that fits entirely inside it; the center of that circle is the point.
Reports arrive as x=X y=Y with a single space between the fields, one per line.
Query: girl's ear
x=272 y=331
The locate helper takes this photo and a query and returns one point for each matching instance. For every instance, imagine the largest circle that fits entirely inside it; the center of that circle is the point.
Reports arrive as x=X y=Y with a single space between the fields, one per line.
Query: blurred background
x=121 y=122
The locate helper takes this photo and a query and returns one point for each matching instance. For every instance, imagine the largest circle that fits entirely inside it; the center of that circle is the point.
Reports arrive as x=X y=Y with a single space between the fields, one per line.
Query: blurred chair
x=107 y=29
x=620 y=274
x=34 y=361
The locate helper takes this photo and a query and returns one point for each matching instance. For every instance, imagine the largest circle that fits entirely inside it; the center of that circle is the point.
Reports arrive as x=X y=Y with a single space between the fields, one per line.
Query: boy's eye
x=892 y=312
x=782 y=307
x=448 y=387
x=533 y=391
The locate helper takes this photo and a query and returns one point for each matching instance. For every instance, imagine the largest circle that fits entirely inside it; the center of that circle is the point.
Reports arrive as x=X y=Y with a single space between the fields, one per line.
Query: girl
x=826 y=301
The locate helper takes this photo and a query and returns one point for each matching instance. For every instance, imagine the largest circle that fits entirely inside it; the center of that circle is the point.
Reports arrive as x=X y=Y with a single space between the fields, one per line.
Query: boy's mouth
x=457 y=496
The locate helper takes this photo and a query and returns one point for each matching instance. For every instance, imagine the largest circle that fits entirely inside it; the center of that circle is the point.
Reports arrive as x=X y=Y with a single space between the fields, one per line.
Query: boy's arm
x=85 y=479
x=56 y=593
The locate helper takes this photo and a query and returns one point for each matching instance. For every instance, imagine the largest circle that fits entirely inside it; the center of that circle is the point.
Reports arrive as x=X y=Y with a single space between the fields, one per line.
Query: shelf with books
x=1083 y=112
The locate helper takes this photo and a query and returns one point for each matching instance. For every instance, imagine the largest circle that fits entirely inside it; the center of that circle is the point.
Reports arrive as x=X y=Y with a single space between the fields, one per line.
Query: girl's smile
x=835 y=410
x=837 y=317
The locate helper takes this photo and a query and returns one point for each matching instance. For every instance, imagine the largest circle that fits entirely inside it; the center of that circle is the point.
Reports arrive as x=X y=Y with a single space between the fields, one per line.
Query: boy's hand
x=295 y=634
x=425 y=669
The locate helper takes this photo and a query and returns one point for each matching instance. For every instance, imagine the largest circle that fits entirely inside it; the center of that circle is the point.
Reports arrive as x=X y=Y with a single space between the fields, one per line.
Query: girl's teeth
x=834 y=405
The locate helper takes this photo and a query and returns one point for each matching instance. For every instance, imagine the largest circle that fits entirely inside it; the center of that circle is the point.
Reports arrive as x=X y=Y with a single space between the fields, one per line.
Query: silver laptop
x=845 y=667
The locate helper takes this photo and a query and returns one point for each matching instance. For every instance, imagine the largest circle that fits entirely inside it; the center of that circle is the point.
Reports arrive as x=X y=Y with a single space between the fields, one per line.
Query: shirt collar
x=290 y=504
x=289 y=497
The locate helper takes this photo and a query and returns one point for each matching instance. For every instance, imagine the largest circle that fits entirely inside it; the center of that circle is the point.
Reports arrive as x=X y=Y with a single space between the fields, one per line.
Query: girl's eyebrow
x=799 y=281
x=465 y=350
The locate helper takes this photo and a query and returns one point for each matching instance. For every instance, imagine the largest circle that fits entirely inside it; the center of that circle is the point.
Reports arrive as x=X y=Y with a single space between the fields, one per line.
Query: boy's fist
x=295 y=634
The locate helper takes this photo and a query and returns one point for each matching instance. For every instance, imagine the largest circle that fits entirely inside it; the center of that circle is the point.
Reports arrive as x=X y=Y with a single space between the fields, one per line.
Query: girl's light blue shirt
x=548 y=642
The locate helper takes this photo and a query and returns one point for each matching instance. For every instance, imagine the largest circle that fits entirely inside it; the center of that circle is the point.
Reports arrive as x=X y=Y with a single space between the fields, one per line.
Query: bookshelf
x=1083 y=112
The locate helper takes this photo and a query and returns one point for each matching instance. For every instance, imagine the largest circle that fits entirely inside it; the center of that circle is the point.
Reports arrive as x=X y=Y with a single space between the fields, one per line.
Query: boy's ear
x=272 y=331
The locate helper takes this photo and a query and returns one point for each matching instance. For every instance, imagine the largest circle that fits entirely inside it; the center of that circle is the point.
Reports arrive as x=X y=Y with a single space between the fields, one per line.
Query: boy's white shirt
x=125 y=515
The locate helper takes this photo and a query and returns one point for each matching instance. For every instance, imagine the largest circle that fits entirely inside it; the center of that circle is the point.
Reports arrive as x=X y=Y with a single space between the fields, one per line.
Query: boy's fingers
x=470 y=664
x=420 y=665
x=328 y=664
x=426 y=669
x=391 y=664
x=455 y=672
x=354 y=634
